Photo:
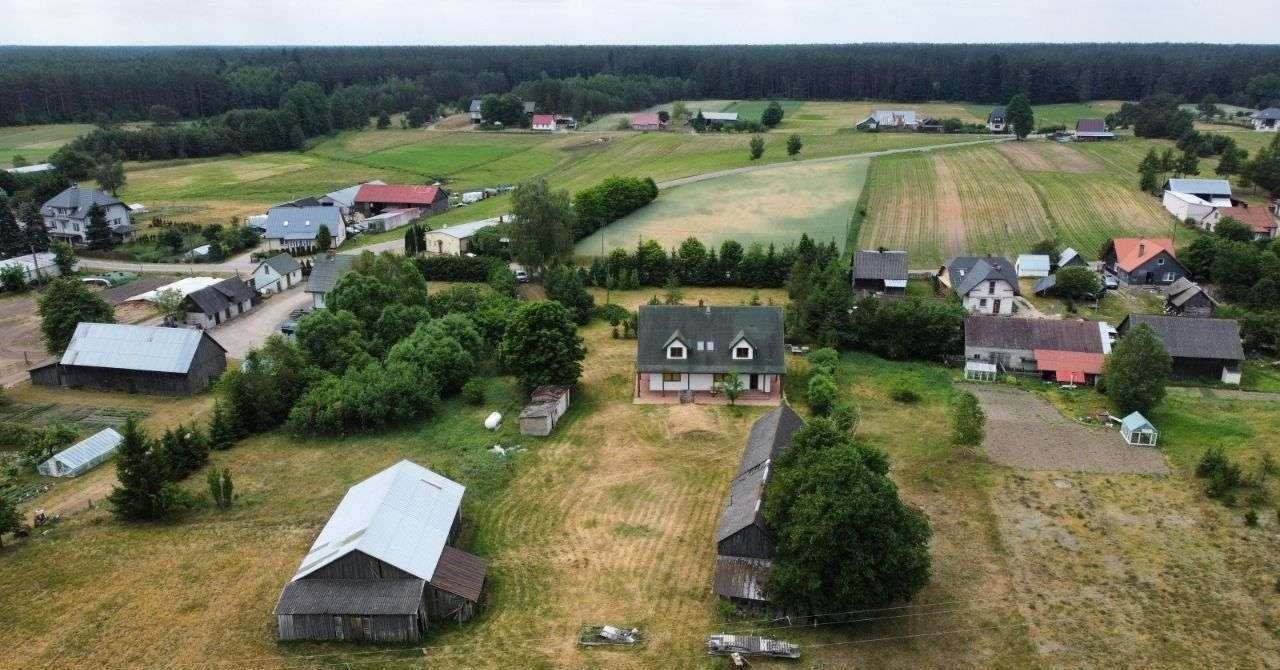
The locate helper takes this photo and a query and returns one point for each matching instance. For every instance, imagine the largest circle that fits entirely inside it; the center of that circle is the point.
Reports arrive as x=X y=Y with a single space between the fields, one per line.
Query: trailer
x=750 y=645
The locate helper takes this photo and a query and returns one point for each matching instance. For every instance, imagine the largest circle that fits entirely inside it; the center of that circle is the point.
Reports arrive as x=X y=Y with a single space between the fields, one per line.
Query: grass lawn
x=37 y=143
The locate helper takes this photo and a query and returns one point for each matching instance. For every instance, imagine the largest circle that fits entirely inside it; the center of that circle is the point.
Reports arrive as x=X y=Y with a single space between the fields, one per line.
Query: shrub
x=455 y=268
x=1221 y=473
x=613 y=314
x=967 y=420
x=824 y=361
x=845 y=416
x=13 y=279
x=904 y=395
x=1251 y=518
x=822 y=394
x=473 y=392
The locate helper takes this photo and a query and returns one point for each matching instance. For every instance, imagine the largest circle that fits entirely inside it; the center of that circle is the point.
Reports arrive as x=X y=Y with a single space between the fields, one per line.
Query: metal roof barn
x=82 y=456
x=150 y=348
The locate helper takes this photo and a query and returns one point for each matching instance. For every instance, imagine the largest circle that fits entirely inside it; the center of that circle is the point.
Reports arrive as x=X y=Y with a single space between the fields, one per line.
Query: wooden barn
x=136 y=359
x=744 y=546
x=383 y=567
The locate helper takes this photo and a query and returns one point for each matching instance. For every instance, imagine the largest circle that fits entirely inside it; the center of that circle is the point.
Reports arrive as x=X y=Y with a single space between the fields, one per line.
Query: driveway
x=1026 y=432
x=235 y=265
x=239 y=336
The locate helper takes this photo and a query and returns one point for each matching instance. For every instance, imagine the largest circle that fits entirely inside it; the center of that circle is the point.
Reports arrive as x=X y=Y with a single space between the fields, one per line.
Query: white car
x=1109 y=282
x=522 y=276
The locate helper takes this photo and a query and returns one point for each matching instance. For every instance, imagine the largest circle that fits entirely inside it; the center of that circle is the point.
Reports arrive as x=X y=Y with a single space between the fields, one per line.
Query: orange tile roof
x=1257 y=218
x=1068 y=361
x=397 y=194
x=1132 y=252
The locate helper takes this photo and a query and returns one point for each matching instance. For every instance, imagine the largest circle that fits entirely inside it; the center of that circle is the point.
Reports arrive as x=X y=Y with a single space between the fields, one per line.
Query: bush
x=967 y=420
x=845 y=416
x=904 y=395
x=609 y=201
x=13 y=279
x=822 y=394
x=1221 y=473
x=456 y=268
x=1251 y=518
x=612 y=314
x=473 y=392
x=824 y=361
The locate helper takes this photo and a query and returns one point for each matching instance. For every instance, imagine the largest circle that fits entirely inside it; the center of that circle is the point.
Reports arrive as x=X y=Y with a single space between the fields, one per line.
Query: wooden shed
x=546 y=406
x=136 y=359
x=382 y=566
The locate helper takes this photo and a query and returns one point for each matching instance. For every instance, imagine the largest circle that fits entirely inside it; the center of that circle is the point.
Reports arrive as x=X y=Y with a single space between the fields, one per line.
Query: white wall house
x=291 y=227
x=1185 y=206
x=985 y=285
x=66 y=215
x=278 y=273
x=1267 y=120
x=455 y=240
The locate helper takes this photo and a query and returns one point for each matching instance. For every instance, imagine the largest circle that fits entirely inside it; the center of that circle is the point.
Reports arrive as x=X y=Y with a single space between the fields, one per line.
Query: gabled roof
x=463 y=231
x=1200 y=187
x=1056 y=360
x=326 y=270
x=302 y=223
x=398 y=194
x=530 y=106
x=997 y=111
x=1135 y=421
x=1270 y=113
x=967 y=272
x=184 y=287
x=476 y=104
x=365 y=597
x=543 y=119
x=760 y=325
x=216 y=298
x=1033 y=262
x=1185 y=337
x=89 y=449
x=30 y=169
x=874 y=264
x=1132 y=252
x=769 y=436
x=1069 y=255
x=1091 y=126
x=1030 y=334
x=720 y=116
x=1045 y=284
x=1182 y=290
x=282 y=263
x=893 y=117
x=1257 y=218
x=346 y=197
x=81 y=199
x=125 y=347
x=401 y=516
x=645 y=119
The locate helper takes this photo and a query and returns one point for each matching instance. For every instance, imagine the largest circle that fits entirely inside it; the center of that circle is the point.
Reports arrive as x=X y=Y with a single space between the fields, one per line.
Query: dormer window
x=742 y=352
x=676 y=351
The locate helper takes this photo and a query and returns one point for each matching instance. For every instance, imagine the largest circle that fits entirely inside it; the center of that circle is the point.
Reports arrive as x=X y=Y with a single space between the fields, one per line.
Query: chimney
x=1142 y=247
x=700 y=302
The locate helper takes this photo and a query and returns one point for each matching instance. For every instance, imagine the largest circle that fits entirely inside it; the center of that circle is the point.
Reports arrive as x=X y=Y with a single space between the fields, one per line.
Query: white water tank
x=493 y=421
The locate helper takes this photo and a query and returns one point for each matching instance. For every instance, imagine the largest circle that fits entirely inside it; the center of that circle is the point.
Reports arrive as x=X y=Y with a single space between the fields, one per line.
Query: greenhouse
x=83 y=456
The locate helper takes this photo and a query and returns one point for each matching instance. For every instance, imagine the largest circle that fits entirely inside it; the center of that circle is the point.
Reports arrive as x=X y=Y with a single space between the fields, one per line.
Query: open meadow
x=36 y=143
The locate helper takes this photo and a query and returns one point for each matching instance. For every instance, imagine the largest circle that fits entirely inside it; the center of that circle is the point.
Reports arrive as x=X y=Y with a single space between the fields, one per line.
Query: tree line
x=56 y=84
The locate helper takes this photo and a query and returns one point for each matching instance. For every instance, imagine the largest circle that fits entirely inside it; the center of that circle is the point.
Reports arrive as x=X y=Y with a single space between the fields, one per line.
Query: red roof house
x=1143 y=260
x=378 y=198
x=1257 y=218
x=544 y=122
x=646 y=122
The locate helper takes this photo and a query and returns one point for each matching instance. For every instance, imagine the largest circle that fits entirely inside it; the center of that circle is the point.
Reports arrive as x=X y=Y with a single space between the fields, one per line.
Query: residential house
x=986 y=285
x=1200 y=348
x=889 y=120
x=996 y=122
x=685 y=353
x=377 y=198
x=455 y=240
x=476 y=110
x=66 y=215
x=1092 y=130
x=1143 y=260
x=1267 y=120
x=295 y=228
x=1216 y=192
x=384 y=564
x=880 y=272
x=545 y=122
x=1070 y=351
x=218 y=303
x=1032 y=265
x=1262 y=222
x=136 y=359
x=744 y=544
x=566 y=122
x=1186 y=298
x=546 y=405
x=82 y=456
x=326 y=270
x=278 y=273
x=647 y=121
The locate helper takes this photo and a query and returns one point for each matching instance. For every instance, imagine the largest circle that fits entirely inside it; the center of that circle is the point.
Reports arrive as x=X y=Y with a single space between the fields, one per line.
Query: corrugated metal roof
x=1220 y=187
x=351 y=596
x=347 y=196
x=738 y=577
x=401 y=516
x=302 y=223
x=1032 y=263
x=30 y=169
x=184 y=287
x=397 y=194
x=125 y=347
x=103 y=442
x=720 y=116
x=460 y=573
x=463 y=231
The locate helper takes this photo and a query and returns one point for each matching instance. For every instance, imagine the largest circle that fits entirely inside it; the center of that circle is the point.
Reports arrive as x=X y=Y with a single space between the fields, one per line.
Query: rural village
x=396 y=359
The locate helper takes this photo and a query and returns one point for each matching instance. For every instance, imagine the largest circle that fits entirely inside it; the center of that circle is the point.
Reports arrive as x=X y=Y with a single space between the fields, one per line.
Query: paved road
x=238 y=264
x=238 y=336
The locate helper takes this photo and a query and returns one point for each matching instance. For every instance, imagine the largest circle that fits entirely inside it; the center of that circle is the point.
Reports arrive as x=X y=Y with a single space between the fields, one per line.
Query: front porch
x=645 y=394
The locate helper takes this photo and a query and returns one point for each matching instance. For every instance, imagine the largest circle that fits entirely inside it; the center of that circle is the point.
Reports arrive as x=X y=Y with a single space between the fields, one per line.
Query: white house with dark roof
x=687 y=352
x=986 y=285
x=291 y=227
x=1266 y=120
x=880 y=272
x=890 y=119
x=455 y=240
x=326 y=270
x=66 y=215
x=278 y=273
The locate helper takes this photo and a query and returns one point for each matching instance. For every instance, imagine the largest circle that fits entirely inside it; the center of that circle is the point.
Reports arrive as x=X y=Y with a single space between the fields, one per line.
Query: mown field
x=1005 y=198
x=36 y=143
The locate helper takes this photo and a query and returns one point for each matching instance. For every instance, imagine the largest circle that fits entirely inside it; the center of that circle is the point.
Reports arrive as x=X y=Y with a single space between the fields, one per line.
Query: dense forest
x=59 y=84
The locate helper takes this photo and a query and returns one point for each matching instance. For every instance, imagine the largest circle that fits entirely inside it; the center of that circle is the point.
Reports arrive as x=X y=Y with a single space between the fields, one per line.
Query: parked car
x=522 y=276
x=1110 y=283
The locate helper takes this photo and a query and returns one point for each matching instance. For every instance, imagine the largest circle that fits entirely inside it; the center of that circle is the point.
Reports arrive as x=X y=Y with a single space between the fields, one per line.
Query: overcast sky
x=337 y=22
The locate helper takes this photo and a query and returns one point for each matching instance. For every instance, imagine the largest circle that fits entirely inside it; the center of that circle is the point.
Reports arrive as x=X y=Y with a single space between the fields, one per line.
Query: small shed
x=1138 y=431
x=545 y=408
x=82 y=456
x=1032 y=265
x=979 y=371
x=1071 y=258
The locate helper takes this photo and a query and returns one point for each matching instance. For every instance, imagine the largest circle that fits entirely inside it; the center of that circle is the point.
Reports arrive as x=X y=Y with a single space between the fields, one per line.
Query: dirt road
x=238 y=336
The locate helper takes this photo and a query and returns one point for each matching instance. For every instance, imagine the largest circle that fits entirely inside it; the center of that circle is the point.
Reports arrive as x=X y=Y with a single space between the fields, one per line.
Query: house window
x=982 y=302
x=742 y=352
x=671 y=376
x=720 y=377
x=675 y=351
x=1159 y=261
x=700 y=345
x=711 y=346
x=1168 y=276
x=991 y=287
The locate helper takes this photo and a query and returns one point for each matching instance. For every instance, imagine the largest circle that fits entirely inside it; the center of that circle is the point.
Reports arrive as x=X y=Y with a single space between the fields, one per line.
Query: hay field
x=773 y=205
x=37 y=143
x=1004 y=199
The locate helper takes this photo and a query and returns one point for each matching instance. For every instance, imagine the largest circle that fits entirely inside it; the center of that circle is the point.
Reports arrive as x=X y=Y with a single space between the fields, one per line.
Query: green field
x=1065 y=114
x=770 y=206
x=36 y=143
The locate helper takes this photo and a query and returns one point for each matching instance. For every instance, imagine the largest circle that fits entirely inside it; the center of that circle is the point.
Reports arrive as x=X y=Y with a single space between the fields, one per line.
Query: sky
x=461 y=22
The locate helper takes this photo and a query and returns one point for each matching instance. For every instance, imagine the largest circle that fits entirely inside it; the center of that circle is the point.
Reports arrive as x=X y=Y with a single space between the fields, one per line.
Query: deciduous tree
x=1137 y=370
x=756 y=147
x=1020 y=116
x=541 y=346
x=64 y=304
x=542 y=234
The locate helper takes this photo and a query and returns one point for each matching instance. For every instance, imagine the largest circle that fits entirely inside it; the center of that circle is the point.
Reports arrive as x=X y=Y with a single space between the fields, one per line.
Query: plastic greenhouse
x=83 y=456
x=1138 y=431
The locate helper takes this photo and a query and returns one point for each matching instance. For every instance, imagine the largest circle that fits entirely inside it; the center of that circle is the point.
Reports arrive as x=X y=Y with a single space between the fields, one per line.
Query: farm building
x=35 y=267
x=566 y=121
x=880 y=272
x=1185 y=206
x=1200 y=348
x=546 y=122
x=1186 y=298
x=345 y=197
x=1138 y=431
x=685 y=353
x=31 y=169
x=290 y=227
x=546 y=405
x=646 y=121
x=996 y=122
x=1266 y=120
x=218 y=303
x=278 y=273
x=986 y=285
x=1216 y=192
x=1070 y=257
x=378 y=198
x=83 y=456
x=1032 y=265
x=717 y=119
x=325 y=272
x=882 y=119
x=744 y=545
x=475 y=110
x=382 y=566
x=455 y=240
x=1064 y=350
x=183 y=287
x=136 y=359
x=390 y=220
x=1260 y=221
x=1092 y=130
x=1143 y=260
x=66 y=215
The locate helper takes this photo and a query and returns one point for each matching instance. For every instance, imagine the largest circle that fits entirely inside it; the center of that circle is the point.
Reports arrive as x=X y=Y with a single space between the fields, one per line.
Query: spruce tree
x=410 y=242
x=12 y=241
x=37 y=234
x=144 y=492
x=10 y=518
x=324 y=239
x=97 y=233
